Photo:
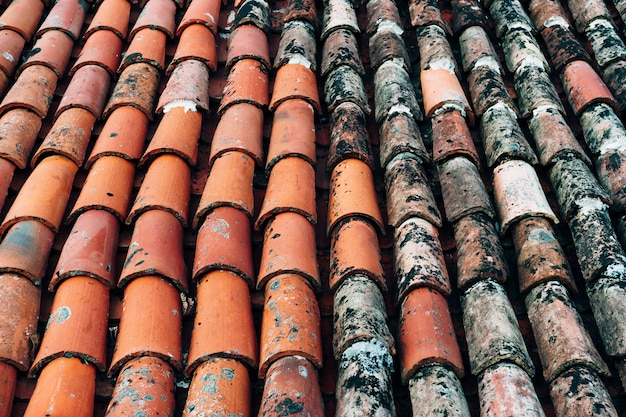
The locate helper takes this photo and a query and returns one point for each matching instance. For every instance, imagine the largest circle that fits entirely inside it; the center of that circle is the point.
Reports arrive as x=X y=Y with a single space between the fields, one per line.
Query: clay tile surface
x=425 y=13
x=587 y=12
x=505 y=389
x=487 y=89
x=435 y=388
x=297 y=41
x=7 y=387
x=398 y=134
x=66 y=16
x=12 y=45
x=87 y=90
x=344 y=84
x=542 y=11
x=247 y=42
x=381 y=11
x=25 y=249
x=102 y=48
x=52 y=50
x=112 y=15
x=440 y=88
x=584 y=87
x=23 y=17
x=253 y=12
x=339 y=14
x=187 y=85
x=340 y=48
x=434 y=48
x=136 y=87
x=580 y=388
x=607 y=297
x=393 y=90
x=295 y=81
x=33 y=90
x=239 y=129
x=385 y=46
x=205 y=12
x=196 y=42
x=535 y=89
x=157 y=14
x=348 y=136
x=18 y=133
x=148 y=46
x=563 y=46
x=247 y=83
x=301 y=11
x=223 y=326
x=475 y=45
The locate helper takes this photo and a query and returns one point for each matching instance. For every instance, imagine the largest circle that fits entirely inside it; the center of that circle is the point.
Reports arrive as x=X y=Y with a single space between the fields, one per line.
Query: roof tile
x=343 y=84
x=239 y=129
x=247 y=42
x=476 y=46
x=607 y=298
x=435 y=50
x=338 y=14
x=399 y=133
x=563 y=47
x=247 y=83
x=488 y=91
x=295 y=81
x=147 y=46
x=521 y=46
x=102 y=48
x=386 y=46
x=67 y=16
x=196 y=42
x=340 y=48
x=435 y=389
x=506 y=389
x=427 y=12
x=7 y=386
x=156 y=14
x=297 y=42
x=304 y=11
x=23 y=16
x=393 y=92
x=602 y=128
x=33 y=90
x=509 y=15
x=25 y=249
x=205 y=12
x=441 y=89
x=88 y=90
x=611 y=175
x=12 y=46
x=466 y=14
x=548 y=14
x=349 y=137
x=612 y=74
x=136 y=87
x=112 y=15
x=586 y=12
x=18 y=133
x=584 y=87
x=579 y=390
x=253 y=12
x=381 y=12
x=52 y=50
x=188 y=86
x=451 y=137
x=535 y=90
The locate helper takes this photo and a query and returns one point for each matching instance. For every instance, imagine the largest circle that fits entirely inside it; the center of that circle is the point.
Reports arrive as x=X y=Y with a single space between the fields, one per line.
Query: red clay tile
x=295 y=81
x=348 y=136
x=436 y=389
x=123 y=135
x=69 y=137
x=340 y=48
x=229 y=184
x=7 y=169
x=475 y=47
x=520 y=47
x=219 y=386
x=463 y=190
x=240 y=129
x=345 y=84
x=136 y=87
x=563 y=46
x=491 y=329
x=388 y=46
x=586 y=12
x=188 y=86
x=151 y=383
x=562 y=340
x=293 y=133
x=25 y=250
x=147 y=46
x=518 y=194
x=177 y=133
x=290 y=188
x=88 y=90
x=399 y=134
x=108 y=186
x=426 y=334
x=441 y=88
x=553 y=137
x=204 y=12
x=291 y=322
x=66 y=16
x=65 y=387
x=33 y=90
x=77 y=326
x=19 y=307
x=352 y=193
x=112 y=15
x=381 y=13
x=22 y=16
x=535 y=90
x=393 y=92
x=301 y=11
x=345 y=261
x=467 y=13
x=505 y=390
x=434 y=48
x=580 y=391
x=606 y=297
x=156 y=14
x=18 y=133
x=584 y=87
x=44 y=194
x=479 y=251
x=425 y=13
x=164 y=192
x=223 y=326
x=11 y=50
x=52 y=50
x=247 y=42
x=291 y=387
x=408 y=192
x=297 y=44
x=338 y=14
x=602 y=128
x=547 y=13
x=150 y=324
x=419 y=259
x=89 y=250
x=8 y=382
x=224 y=243
x=359 y=314
x=103 y=48
x=196 y=42
x=156 y=249
x=289 y=248
x=247 y=83
x=487 y=90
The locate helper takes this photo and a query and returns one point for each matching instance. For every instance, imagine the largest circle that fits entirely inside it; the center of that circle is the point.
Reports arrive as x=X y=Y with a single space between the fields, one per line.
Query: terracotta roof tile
x=297 y=43
x=399 y=133
x=247 y=42
x=434 y=48
x=589 y=394
x=606 y=297
x=23 y=17
x=295 y=81
x=12 y=46
x=427 y=12
x=602 y=128
x=247 y=83
x=488 y=91
x=521 y=46
x=18 y=133
x=395 y=94
x=136 y=87
x=435 y=389
x=349 y=137
x=535 y=90
x=442 y=89
x=509 y=15
x=88 y=90
x=196 y=42
x=66 y=16
x=381 y=13
x=548 y=13
x=205 y=12
x=344 y=84
x=338 y=14
x=385 y=46
x=301 y=11
x=505 y=388
x=7 y=387
x=112 y=15
x=467 y=13
x=52 y=50
x=563 y=46
x=611 y=75
x=610 y=174
x=253 y=12
x=25 y=249
x=475 y=46
x=340 y=48
x=239 y=129
x=147 y=46
x=587 y=12
x=157 y=14
x=33 y=90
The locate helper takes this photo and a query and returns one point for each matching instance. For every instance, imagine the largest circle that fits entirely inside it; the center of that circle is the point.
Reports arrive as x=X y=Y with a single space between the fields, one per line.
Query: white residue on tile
x=615 y=271
x=588 y=205
x=300 y=60
x=543 y=108
x=7 y=55
x=556 y=21
x=488 y=61
x=530 y=61
x=399 y=108
x=188 y=105
x=389 y=26
x=372 y=356
x=445 y=64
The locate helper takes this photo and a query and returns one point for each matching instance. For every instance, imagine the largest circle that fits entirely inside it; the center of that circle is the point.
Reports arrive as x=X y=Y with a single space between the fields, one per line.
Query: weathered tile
x=475 y=46
x=340 y=48
x=393 y=92
x=239 y=129
x=509 y=15
x=18 y=133
x=247 y=42
x=135 y=87
x=602 y=128
x=66 y=16
x=158 y=14
x=520 y=46
x=188 y=85
x=33 y=90
x=23 y=17
x=487 y=89
x=338 y=14
x=51 y=50
x=25 y=250
x=297 y=43
x=293 y=133
x=426 y=13
x=441 y=89
x=348 y=136
x=386 y=46
x=611 y=175
x=451 y=137
x=399 y=134
x=382 y=16
x=586 y=12
x=204 y=12
x=547 y=13
x=436 y=390
x=434 y=48
x=612 y=74
x=607 y=297
x=563 y=46
x=302 y=11
x=344 y=84
x=467 y=13
x=103 y=48
x=580 y=391
x=247 y=83
x=535 y=89
x=196 y=42
x=147 y=46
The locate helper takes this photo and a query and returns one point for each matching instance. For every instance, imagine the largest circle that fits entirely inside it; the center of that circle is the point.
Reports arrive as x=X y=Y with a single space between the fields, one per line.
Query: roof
x=296 y=208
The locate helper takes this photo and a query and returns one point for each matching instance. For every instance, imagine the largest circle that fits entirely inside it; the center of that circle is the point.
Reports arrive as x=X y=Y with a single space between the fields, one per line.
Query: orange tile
x=399 y=134
x=156 y=14
x=177 y=133
x=348 y=136
x=247 y=83
x=8 y=381
x=219 y=387
x=204 y=12
x=290 y=188
x=291 y=384
x=505 y=389
x=224 y=243
x=22 y=16
x=4 y=82
x=426 y=334
x=44 y=195
x=440 y=88
x=7 y=169
x=289 y=248
x=18 y=133
x=352 y=193
x=189 y=84
x=150 y=324
x=112 y=15
x=88 y=89
x=19 y=307
x=52 y=50
x=103 y=48
x=223 y=326
x=291 y=322
x=136 y=87
x=239 y=129
x=33 y=90
x=229 y=184
x=156 y=249
x=77 y=326
x=147 y=46
x=11 y=50
x=195 y=42
x=247 y=42
x=65 y=388
x=68 y=137
x=164 y=192
x=345 y=261
x=66 y=16
x=108 y=186
x=584 y=87
x=451 y=137
x=123 y=135
x=89 y=250
x=293 y=133
x=146 y=386
x=25 y=250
